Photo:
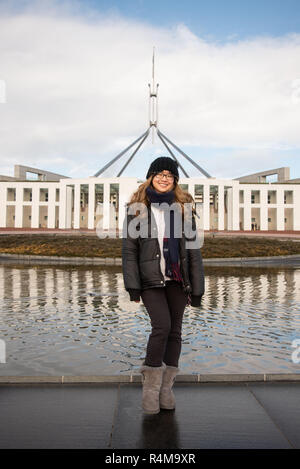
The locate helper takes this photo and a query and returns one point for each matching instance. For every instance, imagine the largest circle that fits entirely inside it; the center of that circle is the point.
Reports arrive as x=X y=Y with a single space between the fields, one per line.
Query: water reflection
x=79 y=320
x=159 y=431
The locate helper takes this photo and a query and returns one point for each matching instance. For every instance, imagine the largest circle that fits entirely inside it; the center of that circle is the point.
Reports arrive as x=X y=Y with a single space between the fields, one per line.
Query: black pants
x=165 y=307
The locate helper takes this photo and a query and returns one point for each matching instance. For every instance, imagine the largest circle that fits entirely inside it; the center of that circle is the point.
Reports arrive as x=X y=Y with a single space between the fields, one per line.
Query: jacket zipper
x=161 y=274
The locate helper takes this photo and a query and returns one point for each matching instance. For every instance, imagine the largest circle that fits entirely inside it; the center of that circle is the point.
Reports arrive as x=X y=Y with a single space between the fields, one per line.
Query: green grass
x=92 y=246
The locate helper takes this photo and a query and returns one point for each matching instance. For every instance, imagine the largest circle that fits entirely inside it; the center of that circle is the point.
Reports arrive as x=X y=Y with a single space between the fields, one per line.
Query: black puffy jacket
x=141 y=261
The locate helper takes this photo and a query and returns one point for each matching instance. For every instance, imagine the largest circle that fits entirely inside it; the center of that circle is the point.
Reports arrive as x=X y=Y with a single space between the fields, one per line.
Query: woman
x=159 y=267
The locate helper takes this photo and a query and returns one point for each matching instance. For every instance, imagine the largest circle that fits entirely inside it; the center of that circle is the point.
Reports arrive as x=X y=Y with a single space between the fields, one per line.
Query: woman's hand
x=134 y=294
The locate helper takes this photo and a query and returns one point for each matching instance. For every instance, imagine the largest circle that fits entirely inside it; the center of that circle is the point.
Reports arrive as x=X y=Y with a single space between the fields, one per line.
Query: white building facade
x=223 y=204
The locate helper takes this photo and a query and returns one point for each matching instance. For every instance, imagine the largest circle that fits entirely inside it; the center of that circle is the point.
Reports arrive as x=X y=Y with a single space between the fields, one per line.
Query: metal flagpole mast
x=153 y=123
x=153 y=98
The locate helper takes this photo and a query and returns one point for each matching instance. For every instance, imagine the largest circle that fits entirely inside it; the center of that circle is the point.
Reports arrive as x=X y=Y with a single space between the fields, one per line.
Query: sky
x=74 y=84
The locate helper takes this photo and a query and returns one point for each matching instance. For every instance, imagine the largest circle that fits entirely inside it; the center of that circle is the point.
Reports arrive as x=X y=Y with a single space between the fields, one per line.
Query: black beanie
x=161 y=163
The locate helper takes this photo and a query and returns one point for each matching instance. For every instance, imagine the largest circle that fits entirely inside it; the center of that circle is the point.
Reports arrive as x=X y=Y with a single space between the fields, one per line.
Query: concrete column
x=191 y=189
x=264 y=208
x=76 y=206
x=296 y=210
x=91 y=210
x=229 y=208
x=247 y=209
x=3 y=193
x=280 y=209
x=35 y=206
x=19 y=207
x=220 y=207
x=68 y=209
x=235 y=207
x=206 y=214
x=51 y=206
x=62 y=206
x=123 y=199
x=106 y=208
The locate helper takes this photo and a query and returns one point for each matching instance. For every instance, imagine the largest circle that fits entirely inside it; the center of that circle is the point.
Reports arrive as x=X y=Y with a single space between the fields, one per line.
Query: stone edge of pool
x=136 y=378
x=293 y=259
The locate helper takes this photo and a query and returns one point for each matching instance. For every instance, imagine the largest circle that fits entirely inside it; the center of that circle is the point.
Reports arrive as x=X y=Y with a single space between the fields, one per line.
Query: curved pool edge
x=136 y=378
x=290 y=260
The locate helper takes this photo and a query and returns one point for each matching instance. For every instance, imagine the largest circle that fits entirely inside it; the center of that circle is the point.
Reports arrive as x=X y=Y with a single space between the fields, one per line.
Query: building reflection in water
x=79 y=320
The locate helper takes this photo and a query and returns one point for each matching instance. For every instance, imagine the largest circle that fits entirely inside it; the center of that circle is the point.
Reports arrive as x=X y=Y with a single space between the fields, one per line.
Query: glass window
x=11 y=194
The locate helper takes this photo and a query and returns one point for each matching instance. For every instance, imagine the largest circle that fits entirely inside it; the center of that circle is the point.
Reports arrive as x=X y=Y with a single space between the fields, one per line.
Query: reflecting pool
x=70 y=320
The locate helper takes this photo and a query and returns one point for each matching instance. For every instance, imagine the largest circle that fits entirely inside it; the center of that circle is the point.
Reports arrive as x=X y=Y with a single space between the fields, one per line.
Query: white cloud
x=77 y=94
x=2 y=92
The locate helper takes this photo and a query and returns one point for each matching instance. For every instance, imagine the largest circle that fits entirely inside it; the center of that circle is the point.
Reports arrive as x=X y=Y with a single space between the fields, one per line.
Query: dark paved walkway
x=248 y=415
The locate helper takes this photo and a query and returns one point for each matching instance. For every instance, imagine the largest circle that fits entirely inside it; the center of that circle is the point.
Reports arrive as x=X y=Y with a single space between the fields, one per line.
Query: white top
x=160 y=222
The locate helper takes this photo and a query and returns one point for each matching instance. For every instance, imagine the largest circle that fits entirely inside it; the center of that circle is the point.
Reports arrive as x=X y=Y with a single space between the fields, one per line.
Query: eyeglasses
x=169 y=177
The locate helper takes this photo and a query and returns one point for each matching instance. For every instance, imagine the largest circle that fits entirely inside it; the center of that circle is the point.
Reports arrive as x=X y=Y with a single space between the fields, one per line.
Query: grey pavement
x=109 y=415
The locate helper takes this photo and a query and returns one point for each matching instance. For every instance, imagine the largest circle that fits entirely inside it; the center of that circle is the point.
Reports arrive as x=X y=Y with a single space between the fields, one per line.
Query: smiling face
x=163 y=181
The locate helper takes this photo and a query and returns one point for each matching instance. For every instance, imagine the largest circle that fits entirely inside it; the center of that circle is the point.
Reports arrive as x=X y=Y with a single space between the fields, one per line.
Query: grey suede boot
x=166 y=395
x=151 y=379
